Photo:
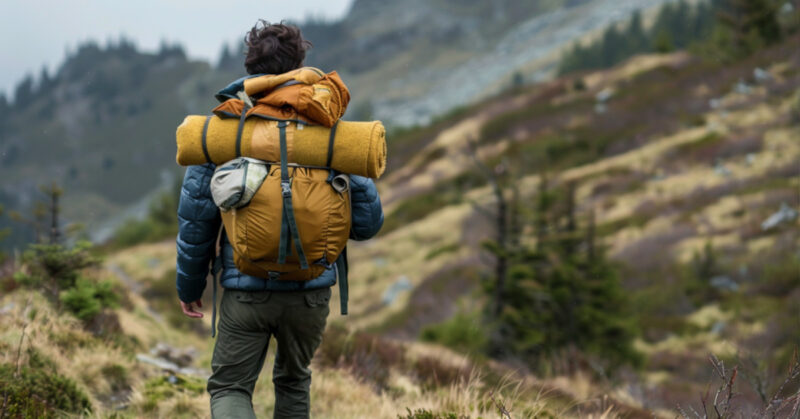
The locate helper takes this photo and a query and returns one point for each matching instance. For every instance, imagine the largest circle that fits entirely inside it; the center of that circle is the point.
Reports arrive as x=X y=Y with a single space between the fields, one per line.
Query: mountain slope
x=426 y=58
x=679 y=160
x=102 y=127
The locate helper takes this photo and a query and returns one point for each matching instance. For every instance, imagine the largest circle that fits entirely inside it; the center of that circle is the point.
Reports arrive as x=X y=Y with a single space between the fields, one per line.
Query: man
x=252 y=308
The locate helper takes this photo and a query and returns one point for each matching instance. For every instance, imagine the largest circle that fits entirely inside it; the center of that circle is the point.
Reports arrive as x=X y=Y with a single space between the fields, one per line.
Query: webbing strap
x=216 y=271
x=239 y=131
x=289 y=230
x=341 y=270
x=331 y=140
x=205 y=139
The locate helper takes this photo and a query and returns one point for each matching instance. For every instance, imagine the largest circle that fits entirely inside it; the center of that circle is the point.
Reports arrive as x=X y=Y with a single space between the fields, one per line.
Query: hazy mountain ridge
x=102 y=128
x=103 y=125
x=441 y=55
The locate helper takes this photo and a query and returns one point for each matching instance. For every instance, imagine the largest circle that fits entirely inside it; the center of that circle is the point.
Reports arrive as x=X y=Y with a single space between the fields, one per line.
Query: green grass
x=39 y=393
x=464 y=333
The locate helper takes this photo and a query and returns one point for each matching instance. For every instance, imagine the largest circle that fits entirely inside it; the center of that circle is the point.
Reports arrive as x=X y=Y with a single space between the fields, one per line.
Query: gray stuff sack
x=235 y=182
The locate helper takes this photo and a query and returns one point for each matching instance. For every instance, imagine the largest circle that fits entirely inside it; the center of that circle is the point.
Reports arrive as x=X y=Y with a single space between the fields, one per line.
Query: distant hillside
x=102 y=126
x=408 y=62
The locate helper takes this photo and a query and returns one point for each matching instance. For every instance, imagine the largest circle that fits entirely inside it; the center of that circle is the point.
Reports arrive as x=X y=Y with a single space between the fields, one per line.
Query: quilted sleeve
x=198 y=227
x=366 y=208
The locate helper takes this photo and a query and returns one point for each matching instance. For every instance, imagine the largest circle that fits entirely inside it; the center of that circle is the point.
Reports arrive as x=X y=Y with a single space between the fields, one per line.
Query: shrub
x=88 y=298
x=39 y=393
x=427 y=414
x=463 y=332
x=55 y=267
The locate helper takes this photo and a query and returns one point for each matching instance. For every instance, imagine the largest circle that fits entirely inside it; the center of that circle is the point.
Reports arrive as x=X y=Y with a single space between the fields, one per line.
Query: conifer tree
x=23 y=94
x=564 y=295
x=751 y=24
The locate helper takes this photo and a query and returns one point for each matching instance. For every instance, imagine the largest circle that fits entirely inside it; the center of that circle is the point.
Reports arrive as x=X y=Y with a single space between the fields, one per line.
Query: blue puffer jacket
x=199 y=223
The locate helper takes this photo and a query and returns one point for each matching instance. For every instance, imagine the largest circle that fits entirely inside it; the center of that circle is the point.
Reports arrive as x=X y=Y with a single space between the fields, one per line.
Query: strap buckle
x=286 y=188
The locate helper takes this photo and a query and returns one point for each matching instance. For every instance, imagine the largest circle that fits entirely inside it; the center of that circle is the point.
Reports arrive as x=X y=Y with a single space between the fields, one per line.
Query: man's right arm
x=367 y=210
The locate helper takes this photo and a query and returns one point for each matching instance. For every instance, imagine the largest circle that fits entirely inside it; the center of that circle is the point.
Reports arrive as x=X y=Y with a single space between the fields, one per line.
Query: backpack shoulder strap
x=216 y=269
x=341 y=272
x=289 y=231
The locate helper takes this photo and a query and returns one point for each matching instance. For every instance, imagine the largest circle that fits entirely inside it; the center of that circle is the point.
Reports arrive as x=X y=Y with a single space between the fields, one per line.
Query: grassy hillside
x=144 y=359
x=677 y=164
x=680 y=167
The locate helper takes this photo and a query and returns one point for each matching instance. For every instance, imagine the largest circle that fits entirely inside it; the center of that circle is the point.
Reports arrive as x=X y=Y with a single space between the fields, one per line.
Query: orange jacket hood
x=306 y=94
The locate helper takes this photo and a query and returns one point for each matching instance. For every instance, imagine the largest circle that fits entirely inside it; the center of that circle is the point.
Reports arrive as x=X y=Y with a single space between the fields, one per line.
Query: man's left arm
x=198 y=228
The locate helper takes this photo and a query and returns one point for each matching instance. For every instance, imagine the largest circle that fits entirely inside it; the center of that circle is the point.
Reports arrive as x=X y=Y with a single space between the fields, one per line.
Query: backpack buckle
x=286 y=188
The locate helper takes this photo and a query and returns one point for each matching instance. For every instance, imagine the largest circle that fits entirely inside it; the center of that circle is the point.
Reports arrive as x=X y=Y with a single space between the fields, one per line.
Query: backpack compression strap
x=289 y=230
x=240 y=130
x=331 y=140
x=341 y=270
x=205 y=139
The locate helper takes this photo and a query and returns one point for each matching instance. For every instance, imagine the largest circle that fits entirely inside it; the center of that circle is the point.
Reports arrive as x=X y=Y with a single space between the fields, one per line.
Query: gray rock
x=750 y=159
x=785 y=214
x=401 y=285
x=720 y=169
x=604 y=95
x=724 y=283
x=600 y=108
x=742 y=88
x=7 y=308
x=761 y=75
x=171 y=367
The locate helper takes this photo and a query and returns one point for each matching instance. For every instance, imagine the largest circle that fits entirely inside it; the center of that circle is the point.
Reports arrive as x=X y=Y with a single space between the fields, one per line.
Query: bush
x=88 y=298
x=54 y=267
x=463 y=332
x=427 y=414
x=39 y=393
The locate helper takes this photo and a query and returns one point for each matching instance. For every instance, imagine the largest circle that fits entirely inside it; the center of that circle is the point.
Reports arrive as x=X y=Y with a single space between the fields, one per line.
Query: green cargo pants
x=247 y=320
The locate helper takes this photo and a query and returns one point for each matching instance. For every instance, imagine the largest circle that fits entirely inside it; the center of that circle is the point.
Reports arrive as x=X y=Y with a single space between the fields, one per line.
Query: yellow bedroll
x=359 y=148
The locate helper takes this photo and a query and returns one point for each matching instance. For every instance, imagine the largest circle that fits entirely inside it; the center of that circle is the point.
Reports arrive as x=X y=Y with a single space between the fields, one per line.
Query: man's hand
x=188 y=309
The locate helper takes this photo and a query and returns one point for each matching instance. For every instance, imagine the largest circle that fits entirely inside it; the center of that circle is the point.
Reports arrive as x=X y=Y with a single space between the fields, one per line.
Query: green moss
x=165 y=387
x=39 y=393
x=428 y=414
x=708 y=140
x=448 y=248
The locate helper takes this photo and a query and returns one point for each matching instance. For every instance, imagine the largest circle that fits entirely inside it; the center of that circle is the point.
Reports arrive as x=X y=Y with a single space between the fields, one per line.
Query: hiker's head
x=274 y=48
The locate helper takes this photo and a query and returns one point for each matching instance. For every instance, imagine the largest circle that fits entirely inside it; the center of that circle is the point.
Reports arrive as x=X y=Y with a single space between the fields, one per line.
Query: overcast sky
x=34 y=33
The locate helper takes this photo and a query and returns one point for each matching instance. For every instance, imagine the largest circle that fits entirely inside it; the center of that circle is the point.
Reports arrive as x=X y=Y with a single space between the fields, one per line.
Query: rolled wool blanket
x=359 y=147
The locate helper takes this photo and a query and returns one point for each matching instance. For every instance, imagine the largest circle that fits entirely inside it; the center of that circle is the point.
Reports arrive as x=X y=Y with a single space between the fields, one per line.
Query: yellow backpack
x=297 y=222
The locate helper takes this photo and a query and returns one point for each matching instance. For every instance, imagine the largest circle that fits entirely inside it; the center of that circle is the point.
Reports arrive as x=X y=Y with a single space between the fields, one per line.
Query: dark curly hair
x=274 y=48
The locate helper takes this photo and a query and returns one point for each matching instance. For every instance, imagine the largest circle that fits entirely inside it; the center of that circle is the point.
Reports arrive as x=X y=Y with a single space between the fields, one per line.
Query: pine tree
x=751 y=24
x=4 y=107
x=564 y=294
x=45 y=81
x=635 y=35
x=23 y=94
